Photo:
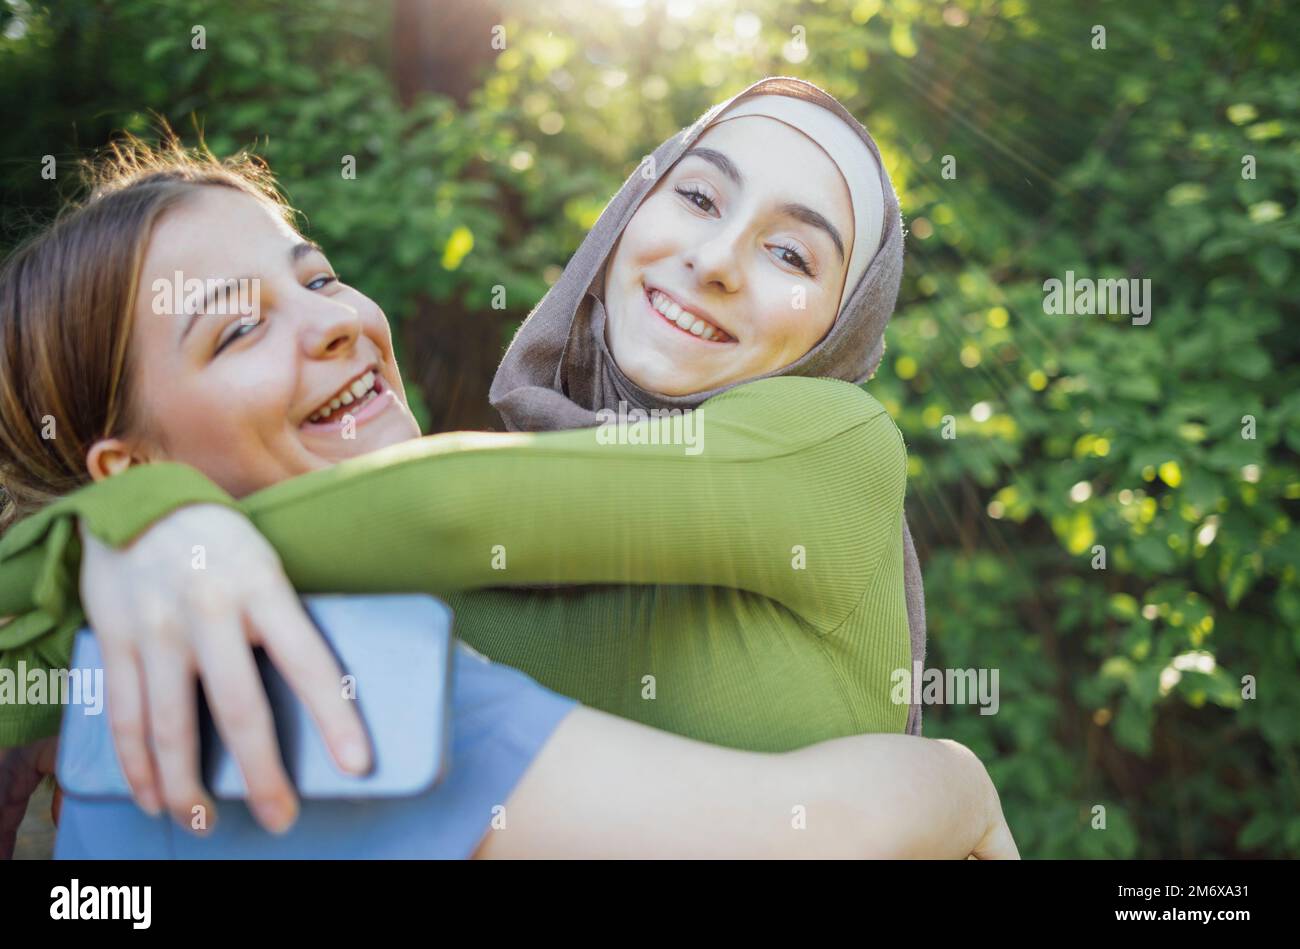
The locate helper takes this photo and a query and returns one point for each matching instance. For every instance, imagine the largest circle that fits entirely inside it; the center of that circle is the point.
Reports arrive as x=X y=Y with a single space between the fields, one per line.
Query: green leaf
x=1151 y=551
x=1258 y=830
x=1273 y=264
x=1132 y=727
x=1202 y=488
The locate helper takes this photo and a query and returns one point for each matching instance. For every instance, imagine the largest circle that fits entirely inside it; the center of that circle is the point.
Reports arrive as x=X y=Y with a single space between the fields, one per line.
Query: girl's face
x=732 y=267
x=240 y=396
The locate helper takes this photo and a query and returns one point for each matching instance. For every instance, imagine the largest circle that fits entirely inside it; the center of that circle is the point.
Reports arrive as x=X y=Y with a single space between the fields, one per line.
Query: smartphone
x=395 y=651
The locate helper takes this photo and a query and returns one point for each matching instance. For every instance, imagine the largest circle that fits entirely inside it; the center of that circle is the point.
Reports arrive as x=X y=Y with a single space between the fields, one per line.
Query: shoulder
x=815 y=409
x=794 y=413
x=803 y=399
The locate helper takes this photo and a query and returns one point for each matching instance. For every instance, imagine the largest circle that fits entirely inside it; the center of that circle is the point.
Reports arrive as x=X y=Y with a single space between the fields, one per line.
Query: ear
x=110 y=456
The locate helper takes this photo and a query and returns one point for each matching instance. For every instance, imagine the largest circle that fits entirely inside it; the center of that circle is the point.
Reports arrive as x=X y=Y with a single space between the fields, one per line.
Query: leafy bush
x=1021 y=152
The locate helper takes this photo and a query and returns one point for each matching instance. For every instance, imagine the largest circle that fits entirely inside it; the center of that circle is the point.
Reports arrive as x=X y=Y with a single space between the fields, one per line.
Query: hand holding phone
x=395 y=653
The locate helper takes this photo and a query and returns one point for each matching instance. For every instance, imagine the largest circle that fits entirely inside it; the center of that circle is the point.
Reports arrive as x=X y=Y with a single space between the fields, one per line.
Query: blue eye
x=241 y=329
x=322 y=281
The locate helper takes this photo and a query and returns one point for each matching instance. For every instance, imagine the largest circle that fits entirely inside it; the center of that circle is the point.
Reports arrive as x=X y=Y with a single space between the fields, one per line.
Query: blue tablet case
x=396 y=648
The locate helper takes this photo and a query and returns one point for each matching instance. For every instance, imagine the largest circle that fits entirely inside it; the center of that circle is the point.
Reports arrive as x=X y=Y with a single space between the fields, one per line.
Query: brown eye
x=697 y=198
x=789 y=255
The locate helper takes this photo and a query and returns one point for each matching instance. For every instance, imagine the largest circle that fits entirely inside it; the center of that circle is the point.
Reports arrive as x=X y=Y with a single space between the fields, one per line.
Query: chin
x=671 y=384
x=655 y=372
x=677 y=388
x=373 y=438
x=395 y=433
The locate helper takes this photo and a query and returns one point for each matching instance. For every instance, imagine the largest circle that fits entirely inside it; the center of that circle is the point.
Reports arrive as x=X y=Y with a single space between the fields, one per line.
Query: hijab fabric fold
x=558 y=371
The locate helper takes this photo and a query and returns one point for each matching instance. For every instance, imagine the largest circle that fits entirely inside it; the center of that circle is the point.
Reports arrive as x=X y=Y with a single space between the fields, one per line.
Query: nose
x=715 y=263
x=330 y=328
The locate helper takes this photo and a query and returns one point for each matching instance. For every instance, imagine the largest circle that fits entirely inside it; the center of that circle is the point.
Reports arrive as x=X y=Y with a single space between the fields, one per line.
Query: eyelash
x=802 y=264
x=692 y=194
x=239 y=331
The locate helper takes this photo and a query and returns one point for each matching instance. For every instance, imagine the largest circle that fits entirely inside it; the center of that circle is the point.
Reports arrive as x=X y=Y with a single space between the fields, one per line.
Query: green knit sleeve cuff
x=40 y=555
x=40 y=560
x=120 y=508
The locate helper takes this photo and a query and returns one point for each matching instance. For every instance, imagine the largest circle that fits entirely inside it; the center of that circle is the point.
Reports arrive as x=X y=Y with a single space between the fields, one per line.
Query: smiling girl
x=751 y=647
x=735 y=251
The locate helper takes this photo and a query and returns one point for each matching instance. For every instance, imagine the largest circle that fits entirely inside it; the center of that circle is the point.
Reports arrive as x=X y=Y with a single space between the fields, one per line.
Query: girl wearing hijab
x=780 y=549
x=710 y=233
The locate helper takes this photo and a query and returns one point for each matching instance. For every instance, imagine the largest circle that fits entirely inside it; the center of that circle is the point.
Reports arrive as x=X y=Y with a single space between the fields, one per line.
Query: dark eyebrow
x=801 y=212
x=718 y=160
x=296 y=253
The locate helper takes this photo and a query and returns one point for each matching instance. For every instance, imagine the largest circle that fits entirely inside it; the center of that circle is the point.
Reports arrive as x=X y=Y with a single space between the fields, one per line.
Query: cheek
x=226 y=405
x=238 y=434
x=790 y=332
x=651 y=233
x=228 y=423
x=376 y=328
x=375 y=322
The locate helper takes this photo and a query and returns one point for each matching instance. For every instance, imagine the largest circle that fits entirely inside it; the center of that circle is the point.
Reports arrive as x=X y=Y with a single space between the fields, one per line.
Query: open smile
x=687 y=321
x=362 y=398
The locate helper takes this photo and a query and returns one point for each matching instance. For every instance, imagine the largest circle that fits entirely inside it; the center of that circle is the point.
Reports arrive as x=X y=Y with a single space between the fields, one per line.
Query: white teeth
x=684 y=320
x=359 y=390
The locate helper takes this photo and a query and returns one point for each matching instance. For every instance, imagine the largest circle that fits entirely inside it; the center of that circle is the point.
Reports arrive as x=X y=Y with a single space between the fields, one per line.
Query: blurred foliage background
x=1169 y=155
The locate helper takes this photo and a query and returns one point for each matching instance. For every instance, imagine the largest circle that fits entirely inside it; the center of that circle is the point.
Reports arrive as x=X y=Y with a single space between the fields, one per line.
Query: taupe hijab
x=558 y=372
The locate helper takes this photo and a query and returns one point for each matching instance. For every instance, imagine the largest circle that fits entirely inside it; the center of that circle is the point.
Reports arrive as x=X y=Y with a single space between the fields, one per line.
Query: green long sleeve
x=465 y=511
x=795 y=494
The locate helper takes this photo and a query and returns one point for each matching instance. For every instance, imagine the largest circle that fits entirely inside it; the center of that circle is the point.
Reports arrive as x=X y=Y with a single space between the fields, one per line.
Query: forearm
x=804 y=527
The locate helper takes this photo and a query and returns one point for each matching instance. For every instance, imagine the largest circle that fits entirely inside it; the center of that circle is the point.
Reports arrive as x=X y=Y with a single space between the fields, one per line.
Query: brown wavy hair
x=67 y=296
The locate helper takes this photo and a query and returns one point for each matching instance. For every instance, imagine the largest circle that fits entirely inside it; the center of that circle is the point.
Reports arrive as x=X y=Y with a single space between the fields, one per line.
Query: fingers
x=301 y=654
x=173 y=720
x=127 y=719
x=243 y=717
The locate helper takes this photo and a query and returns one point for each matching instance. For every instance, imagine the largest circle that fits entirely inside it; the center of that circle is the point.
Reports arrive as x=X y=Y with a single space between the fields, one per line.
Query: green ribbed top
x=750 y=594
